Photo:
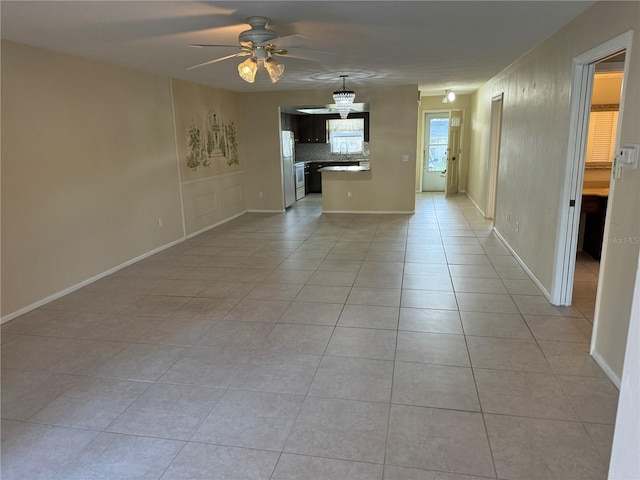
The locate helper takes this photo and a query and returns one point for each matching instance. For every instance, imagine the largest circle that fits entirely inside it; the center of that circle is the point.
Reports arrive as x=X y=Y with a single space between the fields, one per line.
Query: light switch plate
x=627 y=155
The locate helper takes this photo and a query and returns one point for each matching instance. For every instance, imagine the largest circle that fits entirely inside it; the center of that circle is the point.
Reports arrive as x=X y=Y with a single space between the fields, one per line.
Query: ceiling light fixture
x=449 y=96
x=248 y=69
x=344 y=99
x=274 y=68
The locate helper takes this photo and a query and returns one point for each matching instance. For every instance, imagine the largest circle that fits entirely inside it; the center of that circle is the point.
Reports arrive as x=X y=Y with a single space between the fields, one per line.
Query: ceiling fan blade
x=203 y=45
x=241 y=54
x=311 y=55
x=291 y=41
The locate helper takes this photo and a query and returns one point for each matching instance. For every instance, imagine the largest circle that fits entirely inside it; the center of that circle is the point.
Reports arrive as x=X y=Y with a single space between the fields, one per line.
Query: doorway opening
x=434 y=152
x=571 y=209
x=495 y=131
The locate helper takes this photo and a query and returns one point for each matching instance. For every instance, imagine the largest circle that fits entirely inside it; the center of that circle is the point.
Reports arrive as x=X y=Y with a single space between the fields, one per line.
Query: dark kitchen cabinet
x=313 y=177
x=304 y=129
x=288 y=122
x=313 y=128
x=313 y=181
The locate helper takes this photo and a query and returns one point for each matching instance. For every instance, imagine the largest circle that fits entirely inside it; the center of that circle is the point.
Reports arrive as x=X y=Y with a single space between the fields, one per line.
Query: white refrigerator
x=288 y=168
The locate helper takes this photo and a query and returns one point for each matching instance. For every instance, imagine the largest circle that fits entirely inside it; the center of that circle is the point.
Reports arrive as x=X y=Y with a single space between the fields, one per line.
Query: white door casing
x=494 y=154
x=569 y=218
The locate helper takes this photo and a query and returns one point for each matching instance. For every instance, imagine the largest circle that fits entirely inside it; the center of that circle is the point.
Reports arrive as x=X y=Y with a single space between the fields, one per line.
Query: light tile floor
x=310 y=346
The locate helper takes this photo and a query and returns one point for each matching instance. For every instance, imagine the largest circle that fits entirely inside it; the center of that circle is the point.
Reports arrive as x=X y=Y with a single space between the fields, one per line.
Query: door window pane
x=438 y=143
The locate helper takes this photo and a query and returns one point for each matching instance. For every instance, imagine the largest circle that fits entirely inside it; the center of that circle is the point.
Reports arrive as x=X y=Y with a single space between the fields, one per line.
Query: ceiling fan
x=262 y=46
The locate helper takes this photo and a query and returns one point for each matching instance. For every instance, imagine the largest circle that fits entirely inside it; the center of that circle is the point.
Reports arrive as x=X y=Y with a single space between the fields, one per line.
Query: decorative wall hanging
x=214 y=139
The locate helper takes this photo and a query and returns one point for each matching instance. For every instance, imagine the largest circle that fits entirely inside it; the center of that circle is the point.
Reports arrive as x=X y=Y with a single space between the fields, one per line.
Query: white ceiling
x=435 y=44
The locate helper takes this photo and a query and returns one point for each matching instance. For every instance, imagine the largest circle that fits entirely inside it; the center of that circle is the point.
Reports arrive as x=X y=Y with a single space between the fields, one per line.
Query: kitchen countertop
x=345 y=168
x=338 y=160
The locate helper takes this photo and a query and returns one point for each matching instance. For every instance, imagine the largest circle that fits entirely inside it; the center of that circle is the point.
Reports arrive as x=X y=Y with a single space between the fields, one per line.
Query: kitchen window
x=346 y=135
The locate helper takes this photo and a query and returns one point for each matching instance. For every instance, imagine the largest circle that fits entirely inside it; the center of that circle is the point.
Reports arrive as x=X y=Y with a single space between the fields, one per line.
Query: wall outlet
x=349 y=194
x=405 y=158
x=259 y=194
x=517 y=226
x=160 y=222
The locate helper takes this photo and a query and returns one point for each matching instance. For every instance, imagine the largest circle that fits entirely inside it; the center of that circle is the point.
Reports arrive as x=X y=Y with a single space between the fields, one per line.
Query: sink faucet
x=346 y=148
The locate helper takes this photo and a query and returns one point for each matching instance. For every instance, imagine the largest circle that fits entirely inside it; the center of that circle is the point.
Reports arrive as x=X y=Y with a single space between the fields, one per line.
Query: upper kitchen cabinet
x=313 y=128
x=309 y=123
x=289 y=122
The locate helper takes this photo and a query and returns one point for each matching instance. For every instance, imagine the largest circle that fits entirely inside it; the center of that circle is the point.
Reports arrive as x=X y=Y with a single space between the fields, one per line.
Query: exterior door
x=434 y=153
x=453 y=152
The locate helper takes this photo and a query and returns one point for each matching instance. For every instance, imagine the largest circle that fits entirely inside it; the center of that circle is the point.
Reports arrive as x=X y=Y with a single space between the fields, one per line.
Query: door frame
x=571 y=198
x=454 y=153
x=495 y=132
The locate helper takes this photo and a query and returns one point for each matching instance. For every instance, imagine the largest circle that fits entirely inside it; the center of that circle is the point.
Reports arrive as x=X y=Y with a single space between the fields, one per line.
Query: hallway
x=311 y=346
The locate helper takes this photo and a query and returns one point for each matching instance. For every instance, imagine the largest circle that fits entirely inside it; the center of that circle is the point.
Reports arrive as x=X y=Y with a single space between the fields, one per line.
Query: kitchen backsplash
x=307 y=152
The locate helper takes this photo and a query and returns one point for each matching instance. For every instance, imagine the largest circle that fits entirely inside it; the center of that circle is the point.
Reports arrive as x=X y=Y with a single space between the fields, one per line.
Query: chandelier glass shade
x=343 y=99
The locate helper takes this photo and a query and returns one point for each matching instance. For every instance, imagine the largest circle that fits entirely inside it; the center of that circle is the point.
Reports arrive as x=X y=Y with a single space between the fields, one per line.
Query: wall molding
x=475 y=204
x=214 y=225
x=372 y=212
x=535 y=280
x=213 y=177
x=606 y=368
x=88 y=281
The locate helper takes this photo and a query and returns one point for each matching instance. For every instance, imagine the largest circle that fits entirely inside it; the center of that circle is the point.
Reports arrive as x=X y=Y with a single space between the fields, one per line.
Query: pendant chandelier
x=344 y=99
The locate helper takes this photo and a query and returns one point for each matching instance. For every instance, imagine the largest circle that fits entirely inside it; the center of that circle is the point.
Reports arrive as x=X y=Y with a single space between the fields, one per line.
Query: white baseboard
x=217 y=224
x=97 y=277
x=86 y=282
x=535 y=280
x=606 y=368
x=372 y=212
x=474 y=204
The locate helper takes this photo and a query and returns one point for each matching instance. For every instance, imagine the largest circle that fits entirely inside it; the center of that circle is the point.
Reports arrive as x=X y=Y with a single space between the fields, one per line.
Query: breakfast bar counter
x=345 y=168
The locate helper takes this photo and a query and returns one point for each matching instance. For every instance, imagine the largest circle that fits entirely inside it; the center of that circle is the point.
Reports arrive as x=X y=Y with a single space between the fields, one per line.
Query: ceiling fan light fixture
x=247 y=70
x=449 y=96
x=274 y=68
x=344 y=98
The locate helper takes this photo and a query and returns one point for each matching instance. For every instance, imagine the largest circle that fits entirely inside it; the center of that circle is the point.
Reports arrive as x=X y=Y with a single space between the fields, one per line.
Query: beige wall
x=215 y=192
x=533 y=156
x=434 y=104
x=89 y=170
x=389 y=187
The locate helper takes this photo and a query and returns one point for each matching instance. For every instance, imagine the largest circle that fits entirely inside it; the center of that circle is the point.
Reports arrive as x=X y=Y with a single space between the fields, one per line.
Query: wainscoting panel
x=205 y=204
x=211 y=200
